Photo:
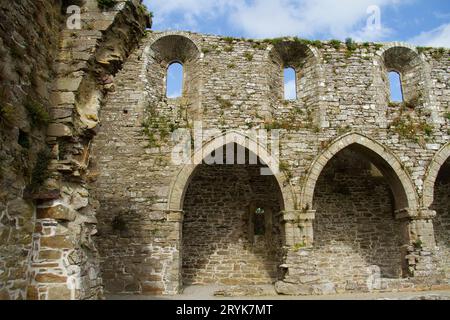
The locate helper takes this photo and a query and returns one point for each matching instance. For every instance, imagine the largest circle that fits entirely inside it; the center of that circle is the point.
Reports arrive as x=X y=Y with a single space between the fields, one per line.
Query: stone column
x=418 y=241
x=417 y=227
x=298 y=227
x=173 y=278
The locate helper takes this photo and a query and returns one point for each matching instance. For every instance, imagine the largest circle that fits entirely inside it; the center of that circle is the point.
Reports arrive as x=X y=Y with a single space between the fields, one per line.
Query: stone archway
x=370 y=235
x=355 y=228
x=232 y=233
x=239 y=254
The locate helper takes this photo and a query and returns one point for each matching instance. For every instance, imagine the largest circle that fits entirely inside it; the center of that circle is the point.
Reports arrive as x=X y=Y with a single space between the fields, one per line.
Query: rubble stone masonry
x=92 y=203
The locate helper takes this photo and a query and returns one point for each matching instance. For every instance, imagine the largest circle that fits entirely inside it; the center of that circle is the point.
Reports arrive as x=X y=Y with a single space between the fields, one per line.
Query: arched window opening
x=174 y=81
x=290 y=84
x=395 y=86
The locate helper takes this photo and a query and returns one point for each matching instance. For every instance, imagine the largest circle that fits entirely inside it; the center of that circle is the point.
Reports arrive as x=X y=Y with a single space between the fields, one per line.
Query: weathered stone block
x=68 y=84
x=50 y=278
x=59 y=130
x=20 y=207
x=59 y=293
x=293 y=289
x=58 y=212
x=32 y=293
x=56 y=242
x=49 y=255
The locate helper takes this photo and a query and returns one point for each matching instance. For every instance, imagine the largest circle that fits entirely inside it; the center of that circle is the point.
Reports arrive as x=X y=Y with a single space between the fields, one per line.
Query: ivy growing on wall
x=157 y=126
x=37 y=113
x=106 y=4
x=40 y=171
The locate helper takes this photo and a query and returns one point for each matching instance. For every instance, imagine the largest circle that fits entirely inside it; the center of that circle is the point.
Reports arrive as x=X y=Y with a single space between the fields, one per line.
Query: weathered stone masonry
x=53 y=80
x=343 y=105
x=359 y=204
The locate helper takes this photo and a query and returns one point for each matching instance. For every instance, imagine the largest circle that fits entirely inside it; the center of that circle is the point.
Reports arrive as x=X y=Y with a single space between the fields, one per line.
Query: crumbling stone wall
x=52 y=82
x=29 y=35
x=111 y=151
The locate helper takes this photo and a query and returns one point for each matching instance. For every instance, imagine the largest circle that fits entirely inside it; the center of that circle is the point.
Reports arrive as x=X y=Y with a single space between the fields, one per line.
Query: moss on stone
x=157 y=127
x=406 y=127
x=106 y=4
x=7 y=114
x=40 y=171
x=37 y=113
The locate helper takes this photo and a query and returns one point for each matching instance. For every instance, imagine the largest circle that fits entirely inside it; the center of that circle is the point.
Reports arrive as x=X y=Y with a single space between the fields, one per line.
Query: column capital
x=419 y=214
x=427 y=214
x=298 y=215
x=406 y=214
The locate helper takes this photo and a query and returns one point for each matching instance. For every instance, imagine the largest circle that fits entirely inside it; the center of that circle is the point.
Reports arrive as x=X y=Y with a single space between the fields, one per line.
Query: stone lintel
x=58 y=212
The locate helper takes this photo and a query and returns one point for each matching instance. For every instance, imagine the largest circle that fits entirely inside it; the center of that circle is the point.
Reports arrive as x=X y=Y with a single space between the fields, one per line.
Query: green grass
x=228 y=40
x=335 y=44
x=351 y=45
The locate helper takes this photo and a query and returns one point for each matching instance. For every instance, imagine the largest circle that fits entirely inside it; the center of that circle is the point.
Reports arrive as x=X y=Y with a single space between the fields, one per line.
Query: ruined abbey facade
x=92 y=203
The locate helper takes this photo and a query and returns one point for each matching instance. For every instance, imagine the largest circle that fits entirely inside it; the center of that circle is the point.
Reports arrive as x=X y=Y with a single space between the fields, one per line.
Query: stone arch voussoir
x=431 y=175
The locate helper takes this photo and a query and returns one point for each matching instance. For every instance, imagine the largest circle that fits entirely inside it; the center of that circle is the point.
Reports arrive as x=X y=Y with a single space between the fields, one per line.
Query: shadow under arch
x=405 y=195
x=184 y=176
x=175 y=47
x=432 y=173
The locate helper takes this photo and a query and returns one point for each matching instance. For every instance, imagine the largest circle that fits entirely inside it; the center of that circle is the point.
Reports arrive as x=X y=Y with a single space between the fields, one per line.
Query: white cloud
x=271 y=18
x=439 y=37
x=191 y=11
x=308 y=18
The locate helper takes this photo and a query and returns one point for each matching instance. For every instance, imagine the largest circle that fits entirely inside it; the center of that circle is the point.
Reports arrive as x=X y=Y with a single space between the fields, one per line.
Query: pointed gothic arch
x=401 y=184
x=181 y=181
x=432 y=173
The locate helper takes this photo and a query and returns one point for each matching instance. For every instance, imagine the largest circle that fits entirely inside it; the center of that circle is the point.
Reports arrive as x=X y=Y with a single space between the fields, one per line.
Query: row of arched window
x=174 y=88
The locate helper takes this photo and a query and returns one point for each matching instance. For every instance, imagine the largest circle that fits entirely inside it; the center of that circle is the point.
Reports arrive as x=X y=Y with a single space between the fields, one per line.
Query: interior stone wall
x=219 y=245
x=355 y=226
x=442 y=220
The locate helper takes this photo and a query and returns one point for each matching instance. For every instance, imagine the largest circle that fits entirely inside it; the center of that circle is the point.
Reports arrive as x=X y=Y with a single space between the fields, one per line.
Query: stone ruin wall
x=343 y=100
x=48 y=73
x=111 y=166
x=26 y=73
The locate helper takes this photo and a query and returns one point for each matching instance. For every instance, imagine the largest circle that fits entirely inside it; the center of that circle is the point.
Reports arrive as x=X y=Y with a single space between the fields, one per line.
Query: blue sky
x=420 y=22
